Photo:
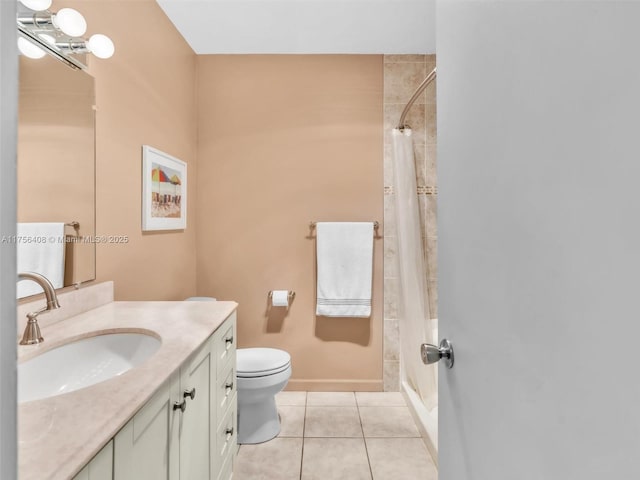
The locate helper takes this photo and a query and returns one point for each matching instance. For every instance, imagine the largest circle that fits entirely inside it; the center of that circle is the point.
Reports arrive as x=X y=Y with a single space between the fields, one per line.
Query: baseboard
x=329 y=385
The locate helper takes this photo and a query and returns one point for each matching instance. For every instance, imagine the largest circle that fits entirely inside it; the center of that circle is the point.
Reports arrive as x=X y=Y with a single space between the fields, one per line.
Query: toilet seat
x=261 y=362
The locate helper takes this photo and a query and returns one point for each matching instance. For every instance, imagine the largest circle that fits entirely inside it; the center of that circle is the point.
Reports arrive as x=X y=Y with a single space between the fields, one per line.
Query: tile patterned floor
x=339 y=436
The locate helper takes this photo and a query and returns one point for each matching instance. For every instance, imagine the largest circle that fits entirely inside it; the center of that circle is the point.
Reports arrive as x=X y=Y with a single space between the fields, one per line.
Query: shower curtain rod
x=419 y=90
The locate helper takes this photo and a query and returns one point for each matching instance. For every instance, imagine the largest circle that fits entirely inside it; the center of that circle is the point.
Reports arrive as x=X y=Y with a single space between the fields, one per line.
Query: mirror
x=56 y=173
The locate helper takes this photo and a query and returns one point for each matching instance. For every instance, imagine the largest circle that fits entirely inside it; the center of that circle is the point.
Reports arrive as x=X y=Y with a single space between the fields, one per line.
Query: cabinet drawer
x=225 y=343
x=226 y=438
x=226 y=390
x=227 y=468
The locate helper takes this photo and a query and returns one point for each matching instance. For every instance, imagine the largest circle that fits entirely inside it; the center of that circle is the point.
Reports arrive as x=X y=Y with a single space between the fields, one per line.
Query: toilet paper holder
x=290 y=296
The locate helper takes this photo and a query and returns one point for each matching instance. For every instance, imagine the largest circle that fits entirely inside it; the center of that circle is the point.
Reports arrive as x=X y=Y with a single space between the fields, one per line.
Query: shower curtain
x=413 y=303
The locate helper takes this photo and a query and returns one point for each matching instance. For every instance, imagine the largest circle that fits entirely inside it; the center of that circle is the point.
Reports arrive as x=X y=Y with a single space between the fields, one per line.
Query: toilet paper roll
x=280 y=298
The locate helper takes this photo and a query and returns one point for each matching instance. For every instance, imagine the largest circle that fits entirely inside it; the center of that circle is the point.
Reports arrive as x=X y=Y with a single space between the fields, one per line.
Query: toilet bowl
x=261 y=373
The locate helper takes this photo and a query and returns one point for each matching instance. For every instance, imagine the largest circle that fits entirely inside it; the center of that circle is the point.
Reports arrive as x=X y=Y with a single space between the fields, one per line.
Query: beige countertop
x=59 y=435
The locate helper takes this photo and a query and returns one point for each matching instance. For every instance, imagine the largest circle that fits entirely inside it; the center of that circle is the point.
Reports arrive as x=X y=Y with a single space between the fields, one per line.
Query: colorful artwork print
x=166 y=191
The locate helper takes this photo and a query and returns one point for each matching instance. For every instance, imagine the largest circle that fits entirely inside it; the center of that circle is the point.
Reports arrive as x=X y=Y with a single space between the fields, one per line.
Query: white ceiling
x=305 y=26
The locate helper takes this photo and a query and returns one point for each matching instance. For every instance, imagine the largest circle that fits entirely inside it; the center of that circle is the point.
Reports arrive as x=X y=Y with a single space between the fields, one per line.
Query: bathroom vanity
x=198 y=429
x=173 y=416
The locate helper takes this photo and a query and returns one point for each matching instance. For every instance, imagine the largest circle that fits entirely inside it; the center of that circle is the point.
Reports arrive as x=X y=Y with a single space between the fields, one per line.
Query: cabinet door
x=100 y=467
x=226 y=472
x=197 y=423
x=146 y=448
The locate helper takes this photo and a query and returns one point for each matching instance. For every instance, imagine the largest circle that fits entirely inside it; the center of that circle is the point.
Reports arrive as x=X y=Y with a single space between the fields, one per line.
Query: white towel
x=40 y=249
x=345 y=268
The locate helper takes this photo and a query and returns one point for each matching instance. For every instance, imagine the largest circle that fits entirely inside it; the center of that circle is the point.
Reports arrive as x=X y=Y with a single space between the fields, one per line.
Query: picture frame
x=164 y=191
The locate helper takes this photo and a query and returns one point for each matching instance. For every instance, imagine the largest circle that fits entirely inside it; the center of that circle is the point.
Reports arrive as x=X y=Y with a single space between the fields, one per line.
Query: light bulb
x=37 y=5
x=28 y=49
x=70 y=21
x=101 y=46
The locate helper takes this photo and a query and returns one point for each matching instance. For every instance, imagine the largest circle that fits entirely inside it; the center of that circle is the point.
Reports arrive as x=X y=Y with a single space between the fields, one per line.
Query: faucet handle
x=32 y=335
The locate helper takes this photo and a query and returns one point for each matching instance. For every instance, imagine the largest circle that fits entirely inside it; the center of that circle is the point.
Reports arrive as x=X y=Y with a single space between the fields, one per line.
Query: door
x=539 y=239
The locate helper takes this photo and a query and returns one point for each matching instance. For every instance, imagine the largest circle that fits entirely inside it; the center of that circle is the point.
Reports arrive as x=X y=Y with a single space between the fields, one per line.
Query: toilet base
x=258 y=419
x=258 y=422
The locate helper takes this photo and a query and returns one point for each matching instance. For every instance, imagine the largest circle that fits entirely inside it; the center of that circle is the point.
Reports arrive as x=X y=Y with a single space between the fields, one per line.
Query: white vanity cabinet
x=226 y=412
x=147 y=447
x=210 y=407
x=187 y=430
x=197 y=377
x=100 y=467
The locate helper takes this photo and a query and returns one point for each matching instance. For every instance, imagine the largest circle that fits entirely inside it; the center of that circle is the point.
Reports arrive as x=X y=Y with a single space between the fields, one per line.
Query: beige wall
x=145 y=94
x=282 y=141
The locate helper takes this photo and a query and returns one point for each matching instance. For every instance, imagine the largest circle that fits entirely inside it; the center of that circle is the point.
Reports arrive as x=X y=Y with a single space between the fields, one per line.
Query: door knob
x=432 y=354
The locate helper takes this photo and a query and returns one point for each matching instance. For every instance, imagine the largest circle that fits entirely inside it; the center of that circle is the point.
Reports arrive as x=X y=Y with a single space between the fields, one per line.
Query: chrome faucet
x=32 y=334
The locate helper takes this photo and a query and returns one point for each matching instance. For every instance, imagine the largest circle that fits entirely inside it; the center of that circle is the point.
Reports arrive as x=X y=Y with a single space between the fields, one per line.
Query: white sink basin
x=82 y=363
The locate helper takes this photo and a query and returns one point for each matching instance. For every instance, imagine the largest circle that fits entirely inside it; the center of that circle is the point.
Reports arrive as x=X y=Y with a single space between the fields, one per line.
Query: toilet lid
x=258 y=362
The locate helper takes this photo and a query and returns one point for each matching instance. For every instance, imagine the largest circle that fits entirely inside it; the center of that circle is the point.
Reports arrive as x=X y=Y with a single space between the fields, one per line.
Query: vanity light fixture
x=69 y=21
x=101 y=45
x=36 y=5
x=58 y=33
x=29 y=49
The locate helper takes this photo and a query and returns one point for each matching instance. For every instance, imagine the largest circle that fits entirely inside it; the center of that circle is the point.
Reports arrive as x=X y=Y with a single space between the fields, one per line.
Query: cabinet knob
x=229 y=387
x=182 y=406
x=229 y=432
x=228 y=340
x=190 y=393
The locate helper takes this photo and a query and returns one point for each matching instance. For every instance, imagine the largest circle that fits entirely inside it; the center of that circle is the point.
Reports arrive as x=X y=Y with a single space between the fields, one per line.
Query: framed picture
x=164 y=191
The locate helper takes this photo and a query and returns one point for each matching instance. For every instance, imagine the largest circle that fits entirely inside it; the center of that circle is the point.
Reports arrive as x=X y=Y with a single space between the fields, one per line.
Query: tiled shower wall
x=402 y=75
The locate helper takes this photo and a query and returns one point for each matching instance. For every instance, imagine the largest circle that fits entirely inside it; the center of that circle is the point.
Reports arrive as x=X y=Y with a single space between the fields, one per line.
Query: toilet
x=261 y=373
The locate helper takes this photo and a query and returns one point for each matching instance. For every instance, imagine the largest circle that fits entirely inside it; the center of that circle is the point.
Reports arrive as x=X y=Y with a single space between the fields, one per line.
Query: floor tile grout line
x=364 y=439
x=304 y=426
